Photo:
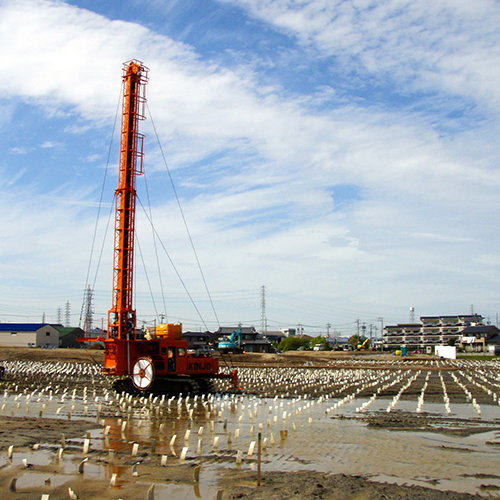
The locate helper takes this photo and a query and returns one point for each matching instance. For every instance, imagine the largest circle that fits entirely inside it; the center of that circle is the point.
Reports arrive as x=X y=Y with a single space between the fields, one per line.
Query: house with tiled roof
x=251 y=339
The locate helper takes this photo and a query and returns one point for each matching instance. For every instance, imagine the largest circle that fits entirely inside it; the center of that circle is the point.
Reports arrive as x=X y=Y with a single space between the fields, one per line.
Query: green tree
x=292 y=344
x=321 y=340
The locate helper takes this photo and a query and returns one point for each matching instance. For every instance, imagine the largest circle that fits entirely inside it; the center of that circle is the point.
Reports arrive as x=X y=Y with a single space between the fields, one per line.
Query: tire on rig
x=143 y=374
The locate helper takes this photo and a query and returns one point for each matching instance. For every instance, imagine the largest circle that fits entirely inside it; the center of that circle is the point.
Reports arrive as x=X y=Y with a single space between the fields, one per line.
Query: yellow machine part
x=170 y=331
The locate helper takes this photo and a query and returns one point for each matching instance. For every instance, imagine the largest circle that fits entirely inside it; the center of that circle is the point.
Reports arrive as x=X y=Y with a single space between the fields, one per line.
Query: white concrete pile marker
x=239 y=457
x=420 y=401
x=81 y=465
x=183 y=454
x=10 y=451
x=172 y=442
x=151 y=492
x=446 y=399
x=72 y=494
x=163 y=460
x=86 y=446
x=112 y=482
x=12 y=485
x=135 y=449
x=197 y=474
x=134 y=470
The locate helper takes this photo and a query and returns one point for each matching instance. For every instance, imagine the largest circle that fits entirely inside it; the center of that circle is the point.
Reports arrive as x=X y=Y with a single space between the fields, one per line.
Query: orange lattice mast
x=122 y=317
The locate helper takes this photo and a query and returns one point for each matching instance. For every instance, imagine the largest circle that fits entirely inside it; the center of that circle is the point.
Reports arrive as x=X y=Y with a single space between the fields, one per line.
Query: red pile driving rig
x=157 y=361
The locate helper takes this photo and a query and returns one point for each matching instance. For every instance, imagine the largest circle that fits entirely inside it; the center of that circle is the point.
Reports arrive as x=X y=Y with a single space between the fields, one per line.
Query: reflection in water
x=300 y=434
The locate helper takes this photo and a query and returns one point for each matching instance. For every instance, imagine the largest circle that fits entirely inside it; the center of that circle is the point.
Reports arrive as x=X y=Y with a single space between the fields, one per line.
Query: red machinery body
x=158 y=361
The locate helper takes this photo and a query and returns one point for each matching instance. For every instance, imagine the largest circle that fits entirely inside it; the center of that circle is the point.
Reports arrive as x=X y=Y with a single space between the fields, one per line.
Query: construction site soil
x=23 y=432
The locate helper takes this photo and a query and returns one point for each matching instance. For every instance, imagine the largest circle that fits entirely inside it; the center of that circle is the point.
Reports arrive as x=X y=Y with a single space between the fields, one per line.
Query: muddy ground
x=235 y=484
x=24 y=432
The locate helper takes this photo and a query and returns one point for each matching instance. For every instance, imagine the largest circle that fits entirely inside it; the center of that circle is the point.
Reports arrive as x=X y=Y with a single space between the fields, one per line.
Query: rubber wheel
x=143 y=374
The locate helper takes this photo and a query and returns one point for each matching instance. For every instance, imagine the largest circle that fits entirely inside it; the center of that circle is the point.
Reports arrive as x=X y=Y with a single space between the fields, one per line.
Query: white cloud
x=18 y=151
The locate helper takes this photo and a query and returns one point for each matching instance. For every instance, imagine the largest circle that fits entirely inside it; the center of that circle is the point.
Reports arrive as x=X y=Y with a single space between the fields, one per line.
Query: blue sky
x=343 y=154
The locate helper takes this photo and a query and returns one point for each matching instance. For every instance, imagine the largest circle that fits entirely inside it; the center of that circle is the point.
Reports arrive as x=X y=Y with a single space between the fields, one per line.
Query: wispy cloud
x=444 y=46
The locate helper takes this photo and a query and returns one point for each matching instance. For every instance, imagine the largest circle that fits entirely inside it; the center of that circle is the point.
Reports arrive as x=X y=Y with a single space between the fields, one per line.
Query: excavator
x=232 y=344
x=157 y=361
x=364 y=346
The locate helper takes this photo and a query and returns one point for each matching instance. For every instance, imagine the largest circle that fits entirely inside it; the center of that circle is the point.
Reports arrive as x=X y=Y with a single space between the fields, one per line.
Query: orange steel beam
x=121 y=317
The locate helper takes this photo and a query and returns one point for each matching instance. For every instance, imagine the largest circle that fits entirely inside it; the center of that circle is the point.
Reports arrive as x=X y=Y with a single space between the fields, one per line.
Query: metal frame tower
x=67 y=314
x=121 y=317
x=263 y=319
x=88 y=311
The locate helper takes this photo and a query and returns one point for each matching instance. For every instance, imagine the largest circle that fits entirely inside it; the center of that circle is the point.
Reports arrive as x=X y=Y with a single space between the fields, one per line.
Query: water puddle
x=322 y=434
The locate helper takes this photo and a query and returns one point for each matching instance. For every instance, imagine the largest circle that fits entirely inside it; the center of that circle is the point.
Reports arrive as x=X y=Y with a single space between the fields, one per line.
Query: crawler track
x=171 y=386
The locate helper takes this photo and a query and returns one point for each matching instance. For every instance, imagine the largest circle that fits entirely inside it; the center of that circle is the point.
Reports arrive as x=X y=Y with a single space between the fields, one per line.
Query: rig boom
x=122 y=317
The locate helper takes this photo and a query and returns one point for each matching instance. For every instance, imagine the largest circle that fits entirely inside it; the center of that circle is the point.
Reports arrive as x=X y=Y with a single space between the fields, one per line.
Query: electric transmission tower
x=67 y=314
x=263 y=319
x=88 y=311
x=59 y=315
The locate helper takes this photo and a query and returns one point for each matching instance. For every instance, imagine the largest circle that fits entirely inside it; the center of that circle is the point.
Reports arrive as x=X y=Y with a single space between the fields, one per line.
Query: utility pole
x=381 y=331
x=381 y=325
